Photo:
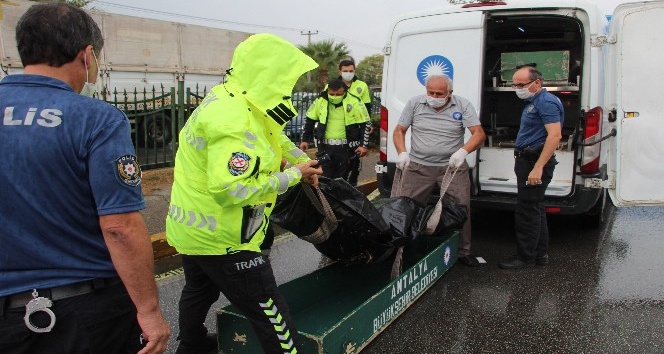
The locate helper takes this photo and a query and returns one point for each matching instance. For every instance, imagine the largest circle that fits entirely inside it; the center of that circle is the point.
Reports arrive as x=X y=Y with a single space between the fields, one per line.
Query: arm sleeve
x=406 y=118
x=308 y=130
x=234 y=172
x=113 y=170
x=470 y=118
x=551 y=112
x=292 y=153
x=365 y=136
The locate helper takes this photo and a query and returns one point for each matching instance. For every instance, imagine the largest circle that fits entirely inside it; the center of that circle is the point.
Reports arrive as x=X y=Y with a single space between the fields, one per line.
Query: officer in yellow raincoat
x=340 y=123
x=227 y=177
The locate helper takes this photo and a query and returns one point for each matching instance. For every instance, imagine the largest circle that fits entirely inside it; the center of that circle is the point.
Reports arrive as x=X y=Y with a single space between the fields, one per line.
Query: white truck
x=146 y=56
x=609 y=79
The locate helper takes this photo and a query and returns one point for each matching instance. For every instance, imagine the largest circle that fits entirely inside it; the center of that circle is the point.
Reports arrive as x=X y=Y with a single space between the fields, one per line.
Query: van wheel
x=593 y=217
x=158 y=129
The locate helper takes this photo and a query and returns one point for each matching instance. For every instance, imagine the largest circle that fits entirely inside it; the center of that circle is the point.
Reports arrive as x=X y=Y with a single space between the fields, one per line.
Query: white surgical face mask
x=524 y=93
x=89 y=88
x=347 y=76
x=437 y=102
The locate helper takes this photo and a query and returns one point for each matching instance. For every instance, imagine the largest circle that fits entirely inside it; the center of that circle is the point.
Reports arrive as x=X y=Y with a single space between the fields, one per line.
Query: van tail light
x=591 y=132
x=383 y=134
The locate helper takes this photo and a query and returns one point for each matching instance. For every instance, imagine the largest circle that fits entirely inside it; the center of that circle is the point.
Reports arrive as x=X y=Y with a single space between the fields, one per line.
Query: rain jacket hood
x=265 y=69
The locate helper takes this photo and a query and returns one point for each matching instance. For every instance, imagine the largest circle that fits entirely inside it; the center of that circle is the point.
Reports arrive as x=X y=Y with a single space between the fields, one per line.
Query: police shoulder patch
x=129 y=170
x=457 y=115
x=238 y=163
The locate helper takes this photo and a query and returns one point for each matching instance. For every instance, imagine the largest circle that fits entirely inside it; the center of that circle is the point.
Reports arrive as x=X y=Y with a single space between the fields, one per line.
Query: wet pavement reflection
x=602 y=292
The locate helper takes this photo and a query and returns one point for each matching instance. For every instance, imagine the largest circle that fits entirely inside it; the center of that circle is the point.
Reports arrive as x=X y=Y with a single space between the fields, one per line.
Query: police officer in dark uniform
x=534 y=163
x=76 y=263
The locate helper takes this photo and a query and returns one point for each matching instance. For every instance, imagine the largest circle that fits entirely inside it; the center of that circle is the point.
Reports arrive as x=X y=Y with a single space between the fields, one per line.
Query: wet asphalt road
x=603 y=291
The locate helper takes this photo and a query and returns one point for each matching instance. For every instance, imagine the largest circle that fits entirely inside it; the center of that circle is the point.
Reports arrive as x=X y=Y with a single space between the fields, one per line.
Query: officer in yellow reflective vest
x=359 y=89
x=227 y=177
x=340 y=123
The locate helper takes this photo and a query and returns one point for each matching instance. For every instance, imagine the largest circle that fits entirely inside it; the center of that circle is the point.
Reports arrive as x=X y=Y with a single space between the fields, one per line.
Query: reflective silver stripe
x=335 y=141
x=296 y=153
x=250 y=136
x=183 y=215
x=192 y=218
x=198 y=143
x=240 y=191
x=273 y=184
x=282 y=177
x=249 y=145
x=179 y=215
x=213 y=223
x=202 y=223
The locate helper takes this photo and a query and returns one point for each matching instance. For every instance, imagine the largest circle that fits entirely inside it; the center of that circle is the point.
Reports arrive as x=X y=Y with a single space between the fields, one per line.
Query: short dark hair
x=54 y=33
x=346 y=62
x=336 y=84
x=533 y=73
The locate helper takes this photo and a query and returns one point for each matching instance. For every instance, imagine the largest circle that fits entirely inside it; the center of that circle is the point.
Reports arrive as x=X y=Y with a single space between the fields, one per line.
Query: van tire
x=593 y=218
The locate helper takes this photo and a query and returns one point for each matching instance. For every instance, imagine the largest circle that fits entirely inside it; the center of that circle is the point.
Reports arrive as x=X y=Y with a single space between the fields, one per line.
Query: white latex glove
x=458 y=158
x=403 y=160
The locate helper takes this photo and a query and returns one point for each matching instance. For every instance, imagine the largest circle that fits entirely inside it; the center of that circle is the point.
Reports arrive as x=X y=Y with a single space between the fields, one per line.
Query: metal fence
x=157 y=115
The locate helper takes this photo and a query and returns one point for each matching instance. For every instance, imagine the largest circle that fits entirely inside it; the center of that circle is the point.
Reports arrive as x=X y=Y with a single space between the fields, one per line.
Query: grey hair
x=450 y=85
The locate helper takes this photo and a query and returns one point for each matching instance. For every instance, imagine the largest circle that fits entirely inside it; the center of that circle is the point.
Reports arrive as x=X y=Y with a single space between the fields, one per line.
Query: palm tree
x=328 y=55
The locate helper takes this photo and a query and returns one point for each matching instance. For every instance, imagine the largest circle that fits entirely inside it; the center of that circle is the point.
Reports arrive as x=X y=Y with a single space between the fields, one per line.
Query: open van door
x=444 y=43
x=635 y=64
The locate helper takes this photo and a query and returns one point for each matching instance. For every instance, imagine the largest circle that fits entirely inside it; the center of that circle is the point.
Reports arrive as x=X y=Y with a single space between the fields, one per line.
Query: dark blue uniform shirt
x=66 y=160
x=543 y=108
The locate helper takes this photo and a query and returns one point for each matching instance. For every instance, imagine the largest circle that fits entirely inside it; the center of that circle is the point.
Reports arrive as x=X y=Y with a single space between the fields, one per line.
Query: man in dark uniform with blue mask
x=76 y=263
x=534 y=162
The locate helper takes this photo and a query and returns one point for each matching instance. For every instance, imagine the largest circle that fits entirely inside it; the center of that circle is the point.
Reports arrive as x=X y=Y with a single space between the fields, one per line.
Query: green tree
x=328 y=55
x=370 y=70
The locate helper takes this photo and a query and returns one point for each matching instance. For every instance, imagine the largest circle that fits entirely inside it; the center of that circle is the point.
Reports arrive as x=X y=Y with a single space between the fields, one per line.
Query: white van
x=609 y=78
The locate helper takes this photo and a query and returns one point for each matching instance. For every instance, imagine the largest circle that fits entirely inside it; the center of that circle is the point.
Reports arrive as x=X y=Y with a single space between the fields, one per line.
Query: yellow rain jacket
x=227 y=168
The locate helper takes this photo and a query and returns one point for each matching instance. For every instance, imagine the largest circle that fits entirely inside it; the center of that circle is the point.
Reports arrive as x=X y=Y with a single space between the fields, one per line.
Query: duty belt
x=528 y=154
x=335 y=141
x=60 y=292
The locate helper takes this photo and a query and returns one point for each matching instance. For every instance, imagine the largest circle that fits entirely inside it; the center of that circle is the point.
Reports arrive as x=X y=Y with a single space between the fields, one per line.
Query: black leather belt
x=60 y=292
x=529 y=154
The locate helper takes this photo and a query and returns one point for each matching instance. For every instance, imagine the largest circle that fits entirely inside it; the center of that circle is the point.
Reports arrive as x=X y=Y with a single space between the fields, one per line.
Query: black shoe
x=542 y=260
x=207 y=346
x=469 y=260
x=514 y=263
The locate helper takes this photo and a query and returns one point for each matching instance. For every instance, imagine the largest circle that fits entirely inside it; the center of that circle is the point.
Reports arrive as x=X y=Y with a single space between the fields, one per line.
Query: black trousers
x=340 y=160
x=247 y=281
x=103 y=321
x=354 y=170
x=532 y=231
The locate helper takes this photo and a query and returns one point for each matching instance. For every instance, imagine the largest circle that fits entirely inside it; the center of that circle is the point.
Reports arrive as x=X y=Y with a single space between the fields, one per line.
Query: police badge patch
x=239 y=163
x=129 y=170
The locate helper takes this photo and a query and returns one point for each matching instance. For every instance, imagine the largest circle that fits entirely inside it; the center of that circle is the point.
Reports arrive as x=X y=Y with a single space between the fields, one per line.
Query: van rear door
x=444 y=43
x=634 y=89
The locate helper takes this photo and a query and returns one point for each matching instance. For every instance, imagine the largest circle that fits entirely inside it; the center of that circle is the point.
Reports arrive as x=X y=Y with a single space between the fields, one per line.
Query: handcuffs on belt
x=37 y=304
